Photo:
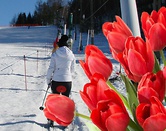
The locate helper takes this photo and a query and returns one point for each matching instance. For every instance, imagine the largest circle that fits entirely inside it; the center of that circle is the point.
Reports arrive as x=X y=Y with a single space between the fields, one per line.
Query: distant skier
x=60 y=70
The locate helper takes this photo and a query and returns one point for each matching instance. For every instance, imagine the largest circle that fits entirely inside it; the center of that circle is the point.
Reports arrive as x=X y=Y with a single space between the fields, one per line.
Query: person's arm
x=50 y=70
x=73 y=65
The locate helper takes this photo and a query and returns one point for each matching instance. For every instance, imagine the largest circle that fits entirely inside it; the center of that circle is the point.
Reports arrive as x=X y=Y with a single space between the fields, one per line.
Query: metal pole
x=92 y=23
x=70 y=24
x=130 y=15
x=80 y=42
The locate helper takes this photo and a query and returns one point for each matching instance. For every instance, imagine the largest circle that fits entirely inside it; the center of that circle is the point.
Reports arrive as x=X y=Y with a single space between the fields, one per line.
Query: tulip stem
x=81 y=115
x=134 y=126
x=163 y=57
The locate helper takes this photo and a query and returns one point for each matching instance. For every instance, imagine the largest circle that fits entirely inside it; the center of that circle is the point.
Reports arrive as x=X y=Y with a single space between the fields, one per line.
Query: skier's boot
x=51 y=123
x=63 y=127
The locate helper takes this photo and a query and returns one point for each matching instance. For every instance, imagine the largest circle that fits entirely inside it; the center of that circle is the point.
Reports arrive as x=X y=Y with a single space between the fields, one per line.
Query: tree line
x=85 y=12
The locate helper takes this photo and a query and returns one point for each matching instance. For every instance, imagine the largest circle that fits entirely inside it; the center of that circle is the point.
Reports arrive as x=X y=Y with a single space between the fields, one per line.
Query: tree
x=21 y=19
x=13 y=21
x=29 y=19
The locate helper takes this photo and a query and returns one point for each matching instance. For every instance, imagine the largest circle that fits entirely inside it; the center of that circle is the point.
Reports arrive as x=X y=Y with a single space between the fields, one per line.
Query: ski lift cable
x=96 y=10
x=85 y=8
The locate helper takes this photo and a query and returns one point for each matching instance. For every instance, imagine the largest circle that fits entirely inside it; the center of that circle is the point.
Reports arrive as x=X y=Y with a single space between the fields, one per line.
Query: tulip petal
x=89 y=95
x=105 y=67
x=151 y=85
x=142 y=113
x=155 y=123
x=85 y=68
x=137 y=64
x=94 y=92
x=146 y=24
x=124 y=28
x=66 y=108
x=157 y=37
x=117 y=44
x=106 y=28
x=59 y=108
x=145 y=93
x=96 y=62
x=97 y=120
x=114 y=122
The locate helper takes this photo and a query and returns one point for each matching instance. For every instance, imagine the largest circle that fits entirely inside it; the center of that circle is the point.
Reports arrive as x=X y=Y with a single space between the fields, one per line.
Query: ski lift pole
x=92 y=22
x=80 y=47
x=70 y=24
x=130 y=15
x=88 y=38
x=70 y=40
x=64 y=29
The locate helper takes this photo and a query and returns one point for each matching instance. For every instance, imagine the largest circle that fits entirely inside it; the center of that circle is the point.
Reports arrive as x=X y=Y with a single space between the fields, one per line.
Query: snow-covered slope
x=26 y=52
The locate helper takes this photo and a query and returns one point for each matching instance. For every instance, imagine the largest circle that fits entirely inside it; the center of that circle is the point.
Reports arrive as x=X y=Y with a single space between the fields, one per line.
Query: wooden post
x=37 y=59
x=25 y=73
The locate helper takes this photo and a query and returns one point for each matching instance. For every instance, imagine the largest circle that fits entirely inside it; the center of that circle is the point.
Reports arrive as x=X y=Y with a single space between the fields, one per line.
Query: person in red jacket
x=55 y=44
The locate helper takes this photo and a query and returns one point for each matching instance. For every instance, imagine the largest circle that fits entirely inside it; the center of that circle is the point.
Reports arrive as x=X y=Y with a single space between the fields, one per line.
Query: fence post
x=37 y=60
x=25 y=73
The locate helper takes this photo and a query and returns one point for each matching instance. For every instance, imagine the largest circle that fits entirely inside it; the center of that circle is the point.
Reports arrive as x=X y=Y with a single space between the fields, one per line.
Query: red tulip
x=110 y=114
x=164 y=72
x=137 y=58
x=154 y=27
x=94 y=92
x=151 y=85
x=96 y=62
x=152 y=117
x=60 y=109
x=116 y=34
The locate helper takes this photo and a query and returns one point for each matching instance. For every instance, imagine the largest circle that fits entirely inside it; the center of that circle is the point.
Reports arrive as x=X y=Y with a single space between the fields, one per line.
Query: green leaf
x=163 y=57
x=92 y=127
x=133 y=126
x=157 y=65
x=131 y=94
x=81 y=115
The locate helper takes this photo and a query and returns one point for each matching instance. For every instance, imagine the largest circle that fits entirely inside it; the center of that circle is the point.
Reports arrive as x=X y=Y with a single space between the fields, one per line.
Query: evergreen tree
x=29 y=19
x=21 y=19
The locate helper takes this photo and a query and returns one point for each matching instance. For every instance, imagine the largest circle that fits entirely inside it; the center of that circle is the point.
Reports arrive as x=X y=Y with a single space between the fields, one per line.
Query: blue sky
x=10 y=8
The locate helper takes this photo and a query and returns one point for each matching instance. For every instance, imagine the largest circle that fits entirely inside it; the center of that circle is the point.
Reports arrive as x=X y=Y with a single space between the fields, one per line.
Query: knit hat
x=63 y=41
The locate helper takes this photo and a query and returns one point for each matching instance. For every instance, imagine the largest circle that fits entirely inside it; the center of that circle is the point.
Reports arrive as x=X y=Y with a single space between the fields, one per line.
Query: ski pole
x=41 y=107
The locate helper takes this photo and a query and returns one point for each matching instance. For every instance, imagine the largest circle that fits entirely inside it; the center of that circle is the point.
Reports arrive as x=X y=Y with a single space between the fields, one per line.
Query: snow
x=26 y=52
